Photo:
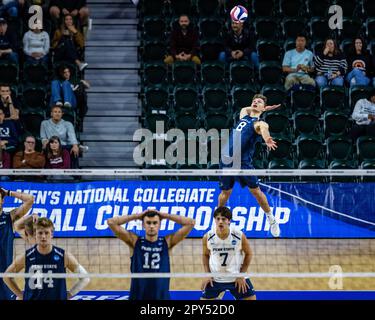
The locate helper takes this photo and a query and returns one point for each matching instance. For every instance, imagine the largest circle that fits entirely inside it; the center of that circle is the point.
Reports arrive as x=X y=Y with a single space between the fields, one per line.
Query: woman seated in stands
x=56 y=156
x=68 y=42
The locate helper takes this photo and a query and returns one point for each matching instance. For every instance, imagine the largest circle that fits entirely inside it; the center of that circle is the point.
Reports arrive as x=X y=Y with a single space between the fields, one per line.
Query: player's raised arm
x=73 y=265
x=27 y=199
x=187 y=225
x=262 y=128
x=15 y=267
x=115 y=224
x=206 y=263
x=245 y=111
x=21 y=225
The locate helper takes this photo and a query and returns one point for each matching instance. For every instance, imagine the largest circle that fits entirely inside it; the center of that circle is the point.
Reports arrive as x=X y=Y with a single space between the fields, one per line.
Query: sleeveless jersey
x=243 y=138
x=45 y=288
x=225 y=255
x=150 y=257
x=6 y=251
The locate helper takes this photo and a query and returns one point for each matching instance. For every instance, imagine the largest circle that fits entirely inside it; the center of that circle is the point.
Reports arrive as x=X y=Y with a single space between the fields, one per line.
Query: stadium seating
x=290 y=8
x=156 y=97
x=335 y=123
x=242 y=96
x=154 y=73
x=368 y=7
x=208 y=8
x=268 y=50
x=333 y=98
x=8 y=73
x=215 y=98
x=210 y=28
x=185 y=99
x=213 y=72
x=241 y=72
x=356 y=93
x=184 y=72
x=306 y=123
x=303 y=100
x=292 y=27
x=266 y=28
x=270 y=72
x=366 y=152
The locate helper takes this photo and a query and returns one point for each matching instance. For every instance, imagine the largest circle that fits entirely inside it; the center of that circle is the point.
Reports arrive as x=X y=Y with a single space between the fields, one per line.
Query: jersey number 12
x=152 y=263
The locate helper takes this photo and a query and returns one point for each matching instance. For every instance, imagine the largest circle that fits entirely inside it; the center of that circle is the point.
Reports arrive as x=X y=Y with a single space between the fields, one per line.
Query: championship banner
x=340 y=210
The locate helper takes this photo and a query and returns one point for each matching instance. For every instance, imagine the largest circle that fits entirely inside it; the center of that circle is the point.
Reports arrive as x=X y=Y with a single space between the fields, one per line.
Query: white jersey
x=225 y=255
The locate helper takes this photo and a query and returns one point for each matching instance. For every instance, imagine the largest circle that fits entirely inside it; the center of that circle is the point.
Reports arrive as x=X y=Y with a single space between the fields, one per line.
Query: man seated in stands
x=8 y=43
x=239 y=45
x=364 y=117
x=29 y=158
x=8 y=104
x=8 y=139
x=77 y=8
x=184 y=42
x=64 y=130
x=298 y=63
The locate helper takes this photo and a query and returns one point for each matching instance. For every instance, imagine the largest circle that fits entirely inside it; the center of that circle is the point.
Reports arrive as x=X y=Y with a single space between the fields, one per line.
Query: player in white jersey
x=226 y=250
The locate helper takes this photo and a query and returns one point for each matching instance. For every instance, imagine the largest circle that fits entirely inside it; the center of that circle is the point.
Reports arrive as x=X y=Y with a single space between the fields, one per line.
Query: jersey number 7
x=225 y=255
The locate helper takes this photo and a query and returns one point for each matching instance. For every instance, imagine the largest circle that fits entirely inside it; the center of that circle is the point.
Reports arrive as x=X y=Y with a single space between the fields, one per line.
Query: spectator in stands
x=10 y=7
x=364 y=117
x=184 y=42
x=8 y=134
x=56 y=156
x=330 y=65
x=359 y=64
x=298 y=63
x=56 y=126
x=10 y=110
x=62 y=90
x=239 y=45
x=8 y=43
x=76 y=8
x=36 y=45
x=29 y=158
x=68 y=42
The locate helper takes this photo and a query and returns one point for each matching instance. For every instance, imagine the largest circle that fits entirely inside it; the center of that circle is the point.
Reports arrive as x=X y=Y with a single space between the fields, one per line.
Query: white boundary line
x=183 y=172
x=188 y=275
x=317 y=205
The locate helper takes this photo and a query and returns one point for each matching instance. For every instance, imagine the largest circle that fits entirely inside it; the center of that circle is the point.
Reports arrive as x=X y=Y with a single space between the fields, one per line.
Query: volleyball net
x=327 y=228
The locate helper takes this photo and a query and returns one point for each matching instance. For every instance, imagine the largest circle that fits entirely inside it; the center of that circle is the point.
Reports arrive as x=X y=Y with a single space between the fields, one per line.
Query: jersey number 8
x=241 y=125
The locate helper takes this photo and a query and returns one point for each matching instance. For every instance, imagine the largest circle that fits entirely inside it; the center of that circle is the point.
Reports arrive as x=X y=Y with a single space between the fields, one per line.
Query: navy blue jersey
x=6 y=251
x=150 y=257
x=243 y=139
x=45 y=288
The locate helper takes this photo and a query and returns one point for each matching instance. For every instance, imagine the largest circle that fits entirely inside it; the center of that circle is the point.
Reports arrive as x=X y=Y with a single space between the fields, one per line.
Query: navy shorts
x=212 y=292
x=227 y=182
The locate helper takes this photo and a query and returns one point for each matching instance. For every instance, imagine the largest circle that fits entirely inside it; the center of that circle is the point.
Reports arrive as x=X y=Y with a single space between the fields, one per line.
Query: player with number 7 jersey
x=42 y=261
x=150 y=253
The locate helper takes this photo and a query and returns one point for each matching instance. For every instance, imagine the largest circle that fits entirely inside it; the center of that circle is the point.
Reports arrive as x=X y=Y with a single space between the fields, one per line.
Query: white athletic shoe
x=275 y=229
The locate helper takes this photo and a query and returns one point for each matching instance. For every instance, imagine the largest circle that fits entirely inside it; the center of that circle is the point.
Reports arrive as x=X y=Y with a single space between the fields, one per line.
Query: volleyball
x=238 y=14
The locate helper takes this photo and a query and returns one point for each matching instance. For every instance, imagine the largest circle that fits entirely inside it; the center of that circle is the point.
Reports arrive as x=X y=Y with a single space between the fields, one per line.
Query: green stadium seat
x=210 y=49
x=34 y=96
x=179 y=7
x=319 y=29
x=275 y=94
x=154 y=28
x=213 y=72
x=303 y=100
x=333 y=98
x=154 y=50
x=154 y=73
x=8 y=72
x=278 y=123
x=306 y=123
x=366 y=151
x=290 y=8
x=317 y=8
x=31 y=120
x=184 y=72
x=270 y=72
x=266 y=28
x=368 y=7
x=156 y=97
x=185 y=98
x=309 y=147
x=241 y=72
x=152 y=117
x=187 y=120
x=335 y=123
x=210 y=28
x=35 y=73
x=351 y=28
x=217 y=120
x=215 y=98
x=292 y=27
x=208 y=8
x=262 y=8
x=152 y=8
x=268 y=50
x=339 y=151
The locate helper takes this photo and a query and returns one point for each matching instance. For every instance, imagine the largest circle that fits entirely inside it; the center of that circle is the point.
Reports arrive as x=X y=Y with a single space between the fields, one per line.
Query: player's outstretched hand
x=271 y=144
x=268 y=108
x=241 y=285
x=3 y=193
x=205 y=282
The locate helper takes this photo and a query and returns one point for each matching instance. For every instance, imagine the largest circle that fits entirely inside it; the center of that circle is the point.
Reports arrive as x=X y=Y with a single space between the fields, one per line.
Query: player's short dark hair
x=301 y=35
x=224 y=212
x=44 y=223
x=260 y=96
x=151 y=214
